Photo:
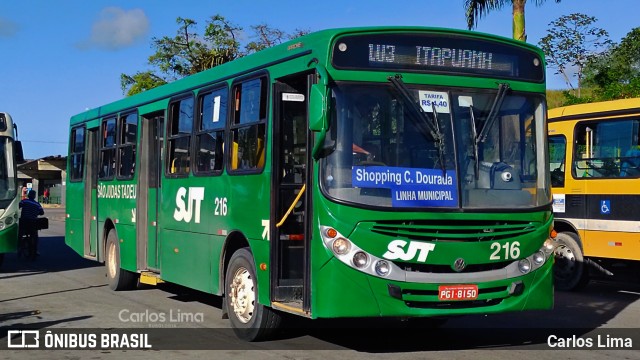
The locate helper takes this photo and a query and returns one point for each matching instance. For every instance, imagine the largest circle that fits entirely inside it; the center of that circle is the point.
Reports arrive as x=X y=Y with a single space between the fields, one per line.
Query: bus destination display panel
x=436 y=54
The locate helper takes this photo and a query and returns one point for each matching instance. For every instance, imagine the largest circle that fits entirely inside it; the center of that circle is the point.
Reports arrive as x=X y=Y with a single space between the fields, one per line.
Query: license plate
x=457 y=292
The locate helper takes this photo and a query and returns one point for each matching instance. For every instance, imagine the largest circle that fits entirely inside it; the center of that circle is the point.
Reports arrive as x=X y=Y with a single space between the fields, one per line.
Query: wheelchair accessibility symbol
x=605 y=207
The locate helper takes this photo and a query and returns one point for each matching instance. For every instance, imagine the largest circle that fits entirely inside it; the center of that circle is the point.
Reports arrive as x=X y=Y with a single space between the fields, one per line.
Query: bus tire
x=119 y=279
x=570 y=272
x=1 y=259
x=250 y=320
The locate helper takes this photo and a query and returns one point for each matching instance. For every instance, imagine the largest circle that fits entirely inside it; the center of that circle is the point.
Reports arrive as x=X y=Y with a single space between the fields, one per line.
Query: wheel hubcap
x=565 y=261
x=242 y=295
x=111 y=261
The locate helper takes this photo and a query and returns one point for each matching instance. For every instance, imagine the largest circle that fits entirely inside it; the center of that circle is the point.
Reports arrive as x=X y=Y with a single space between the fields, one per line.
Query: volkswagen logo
x=459 y=265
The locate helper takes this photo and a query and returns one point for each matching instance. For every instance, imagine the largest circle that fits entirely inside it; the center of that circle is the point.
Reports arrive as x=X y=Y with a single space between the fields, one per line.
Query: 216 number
x=221 y=207
x=511 y=250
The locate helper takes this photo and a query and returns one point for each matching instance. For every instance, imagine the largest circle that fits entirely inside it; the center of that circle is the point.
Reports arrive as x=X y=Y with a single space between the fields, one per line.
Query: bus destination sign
x=433 y=54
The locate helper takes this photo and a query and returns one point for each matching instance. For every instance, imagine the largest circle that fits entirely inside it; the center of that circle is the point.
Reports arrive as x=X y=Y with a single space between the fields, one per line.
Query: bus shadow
x=574 y=314
x=184 y=294
x=33 y=325
x=54 y=256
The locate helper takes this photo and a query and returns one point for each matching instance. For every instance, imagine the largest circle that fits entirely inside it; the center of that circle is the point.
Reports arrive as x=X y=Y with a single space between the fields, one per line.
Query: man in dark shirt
x=31 y=209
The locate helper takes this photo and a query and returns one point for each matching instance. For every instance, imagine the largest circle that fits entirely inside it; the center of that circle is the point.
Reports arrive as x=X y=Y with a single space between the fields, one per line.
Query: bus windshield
x=8 y=178
x=382 y=154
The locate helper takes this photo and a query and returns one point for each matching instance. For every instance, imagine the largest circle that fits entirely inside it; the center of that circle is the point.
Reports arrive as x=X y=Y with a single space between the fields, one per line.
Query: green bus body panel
x=186 y=258
x=9 y=239
x=190 y=251
x=445 y=253
x=339 y=290
x=153 y=247
x=190 y=248
x=260 y=250
x=116 y=204
x=74 y=229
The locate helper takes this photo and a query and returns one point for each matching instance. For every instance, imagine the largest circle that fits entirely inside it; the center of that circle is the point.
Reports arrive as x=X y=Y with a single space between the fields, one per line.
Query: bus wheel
x=250 y=320
x=119 y=279
x=1 y=259
x=569 y=271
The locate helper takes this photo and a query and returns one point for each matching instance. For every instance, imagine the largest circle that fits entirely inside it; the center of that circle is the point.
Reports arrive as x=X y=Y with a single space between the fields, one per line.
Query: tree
x=475 y=9
x=571 y=42
x=188 y=53
x=139 y=82
x=616 y=73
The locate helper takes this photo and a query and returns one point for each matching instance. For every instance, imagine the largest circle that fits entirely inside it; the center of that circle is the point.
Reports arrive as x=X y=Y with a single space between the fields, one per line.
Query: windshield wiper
x=503 y=88
x=428 y=127
x=441 y=142
x=476 y=167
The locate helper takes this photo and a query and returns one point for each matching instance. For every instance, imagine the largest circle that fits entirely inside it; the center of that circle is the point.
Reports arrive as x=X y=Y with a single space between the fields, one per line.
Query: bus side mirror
x=19 y=152
x=318 y=117
x=318 y=108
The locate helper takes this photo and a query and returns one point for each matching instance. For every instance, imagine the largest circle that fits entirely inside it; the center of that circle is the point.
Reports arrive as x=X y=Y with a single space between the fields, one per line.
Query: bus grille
x=452 y=304
x=455 y=231
x=446 y=269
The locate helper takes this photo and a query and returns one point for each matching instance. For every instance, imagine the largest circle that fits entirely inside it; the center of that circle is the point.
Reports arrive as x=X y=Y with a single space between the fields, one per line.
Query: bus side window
x=557 y=154
x=76 y=158
x=127 y=145
x=180 y=127
x=249 y=125
x=211 y=122
x=108 y=149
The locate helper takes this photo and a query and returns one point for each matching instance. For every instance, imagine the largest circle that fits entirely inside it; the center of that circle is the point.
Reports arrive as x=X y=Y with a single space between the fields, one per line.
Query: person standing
x=31 y=209
x=46 y=196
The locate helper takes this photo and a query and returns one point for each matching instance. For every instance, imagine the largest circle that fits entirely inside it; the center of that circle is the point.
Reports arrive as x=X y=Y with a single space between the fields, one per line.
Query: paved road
x=62 y=291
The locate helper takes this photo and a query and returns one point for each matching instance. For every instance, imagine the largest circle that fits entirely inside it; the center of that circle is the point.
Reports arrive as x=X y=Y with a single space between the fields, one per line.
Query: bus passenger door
x=149 y=191
x=290 y=227
x=91 y=197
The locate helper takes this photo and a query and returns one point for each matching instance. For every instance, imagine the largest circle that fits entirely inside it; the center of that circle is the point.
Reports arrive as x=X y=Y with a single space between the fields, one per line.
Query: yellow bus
x=595 y=174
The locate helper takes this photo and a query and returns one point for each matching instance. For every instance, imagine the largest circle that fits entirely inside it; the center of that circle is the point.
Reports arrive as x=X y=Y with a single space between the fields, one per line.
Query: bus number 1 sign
x=457 y=292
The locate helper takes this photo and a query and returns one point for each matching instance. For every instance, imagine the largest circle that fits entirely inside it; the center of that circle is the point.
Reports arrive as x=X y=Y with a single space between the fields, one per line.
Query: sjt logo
x=395 y=250
x=184 y=210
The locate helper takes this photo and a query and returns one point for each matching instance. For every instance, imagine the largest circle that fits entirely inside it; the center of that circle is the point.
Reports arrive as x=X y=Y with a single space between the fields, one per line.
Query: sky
x=61 y=57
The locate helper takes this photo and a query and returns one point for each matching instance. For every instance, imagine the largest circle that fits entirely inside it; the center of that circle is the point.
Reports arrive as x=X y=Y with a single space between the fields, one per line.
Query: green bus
x=365 y=172
x=10 y=155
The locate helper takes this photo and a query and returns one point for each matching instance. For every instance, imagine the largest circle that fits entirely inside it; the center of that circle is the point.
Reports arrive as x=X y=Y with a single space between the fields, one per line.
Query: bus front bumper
x=345 y=292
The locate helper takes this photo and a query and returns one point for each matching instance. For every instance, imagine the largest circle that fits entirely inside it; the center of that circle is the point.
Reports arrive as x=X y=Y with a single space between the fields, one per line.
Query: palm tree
x=477 y=8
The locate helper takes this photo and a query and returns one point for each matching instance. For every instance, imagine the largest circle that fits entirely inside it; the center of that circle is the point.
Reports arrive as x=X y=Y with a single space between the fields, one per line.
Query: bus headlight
x=538 y=258
x=9 y=220
x=350 y=254
x=360 y=259
x=341 y=246
x=548 y=247
x=2 y=225
x=524 y=266
x=382 y=268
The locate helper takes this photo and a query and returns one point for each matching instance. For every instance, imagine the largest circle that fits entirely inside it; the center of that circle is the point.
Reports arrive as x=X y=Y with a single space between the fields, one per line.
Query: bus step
x=150 y=278
x=293 y=307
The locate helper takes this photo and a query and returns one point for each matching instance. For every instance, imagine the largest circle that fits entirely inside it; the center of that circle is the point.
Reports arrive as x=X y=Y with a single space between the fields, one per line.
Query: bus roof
x=319 y=42
x=596 y=109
